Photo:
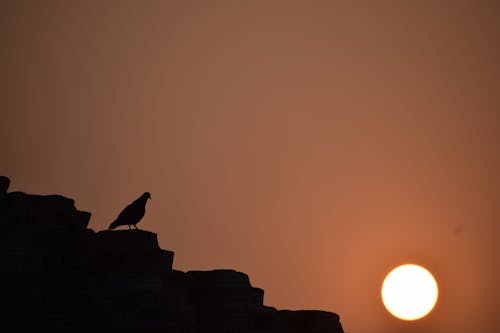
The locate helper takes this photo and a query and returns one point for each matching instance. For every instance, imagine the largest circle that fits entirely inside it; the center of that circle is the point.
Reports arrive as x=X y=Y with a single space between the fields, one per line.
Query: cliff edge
x=58 y=275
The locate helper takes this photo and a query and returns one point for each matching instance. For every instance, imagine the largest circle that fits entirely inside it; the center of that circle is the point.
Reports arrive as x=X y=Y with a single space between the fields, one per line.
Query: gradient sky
x=313 y=145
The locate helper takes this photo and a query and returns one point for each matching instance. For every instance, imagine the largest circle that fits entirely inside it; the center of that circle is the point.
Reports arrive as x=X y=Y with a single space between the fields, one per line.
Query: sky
x=314 y=145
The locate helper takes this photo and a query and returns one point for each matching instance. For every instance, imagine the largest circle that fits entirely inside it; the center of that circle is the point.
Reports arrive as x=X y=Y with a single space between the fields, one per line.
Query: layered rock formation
x=57 y=275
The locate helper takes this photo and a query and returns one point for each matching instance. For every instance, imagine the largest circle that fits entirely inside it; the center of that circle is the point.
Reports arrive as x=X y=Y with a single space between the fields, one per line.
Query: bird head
x=147 y=195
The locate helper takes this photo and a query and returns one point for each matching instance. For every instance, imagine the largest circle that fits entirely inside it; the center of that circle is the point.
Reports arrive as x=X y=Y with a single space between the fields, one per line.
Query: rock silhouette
x=4 y=185
x=59 y=276
x=133 y=213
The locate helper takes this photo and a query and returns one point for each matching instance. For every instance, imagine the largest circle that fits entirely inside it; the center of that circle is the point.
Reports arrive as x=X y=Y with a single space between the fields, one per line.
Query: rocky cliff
x=58 y=275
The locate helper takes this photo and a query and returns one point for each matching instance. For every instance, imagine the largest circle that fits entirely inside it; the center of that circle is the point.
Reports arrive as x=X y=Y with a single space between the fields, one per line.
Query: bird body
x=133 y=213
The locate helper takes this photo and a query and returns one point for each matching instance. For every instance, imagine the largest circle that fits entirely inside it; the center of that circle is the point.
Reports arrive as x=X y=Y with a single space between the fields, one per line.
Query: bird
x=133 y=213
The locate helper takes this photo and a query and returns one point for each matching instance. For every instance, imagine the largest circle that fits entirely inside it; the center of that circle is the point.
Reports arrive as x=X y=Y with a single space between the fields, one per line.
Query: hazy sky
x=313 y=145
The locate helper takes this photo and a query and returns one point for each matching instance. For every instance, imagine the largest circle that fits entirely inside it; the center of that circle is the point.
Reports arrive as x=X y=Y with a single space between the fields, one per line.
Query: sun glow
x=409 y=292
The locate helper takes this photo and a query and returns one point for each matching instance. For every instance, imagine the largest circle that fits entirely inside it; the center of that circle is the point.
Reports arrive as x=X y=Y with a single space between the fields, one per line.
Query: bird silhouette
x=133 y=213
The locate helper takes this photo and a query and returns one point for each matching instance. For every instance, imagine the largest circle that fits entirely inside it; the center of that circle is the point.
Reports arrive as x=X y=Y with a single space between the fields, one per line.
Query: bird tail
x=113 y=225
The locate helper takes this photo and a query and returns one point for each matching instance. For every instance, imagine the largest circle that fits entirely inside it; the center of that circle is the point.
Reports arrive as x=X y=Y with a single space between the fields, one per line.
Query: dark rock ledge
x=56 y=275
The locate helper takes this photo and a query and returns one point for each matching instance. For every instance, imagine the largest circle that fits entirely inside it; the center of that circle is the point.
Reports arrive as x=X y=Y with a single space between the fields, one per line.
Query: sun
x=409 y=292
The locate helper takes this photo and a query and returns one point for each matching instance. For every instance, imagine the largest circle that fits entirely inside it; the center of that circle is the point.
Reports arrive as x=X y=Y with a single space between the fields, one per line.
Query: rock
x=224 y=291
x=59 y=276
x=125 y=240
x=218 y=278
x=286 y=321
x=4 y=185
x=128 y=251
x=36 y=212
x=43 y=222
x=225 y=300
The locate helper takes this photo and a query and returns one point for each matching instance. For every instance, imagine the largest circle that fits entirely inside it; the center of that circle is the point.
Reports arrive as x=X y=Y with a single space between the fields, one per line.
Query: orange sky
x=313 y=145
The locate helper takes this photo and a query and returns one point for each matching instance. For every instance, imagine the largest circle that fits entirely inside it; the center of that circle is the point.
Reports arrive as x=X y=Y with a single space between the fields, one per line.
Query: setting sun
x=409 y=292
